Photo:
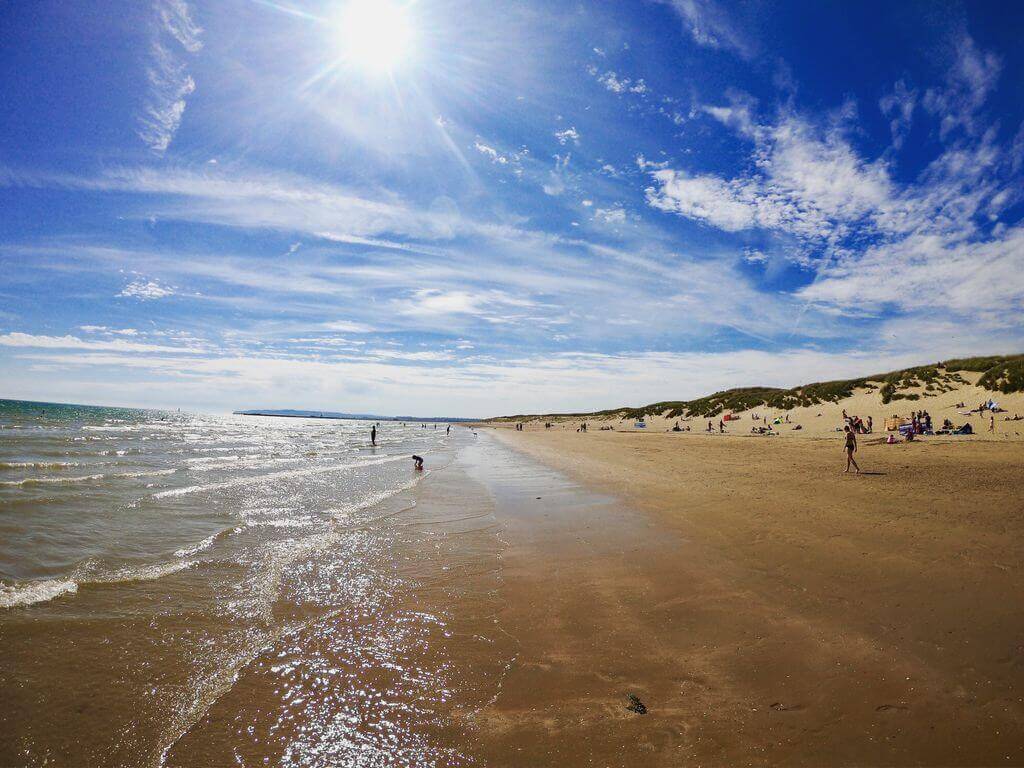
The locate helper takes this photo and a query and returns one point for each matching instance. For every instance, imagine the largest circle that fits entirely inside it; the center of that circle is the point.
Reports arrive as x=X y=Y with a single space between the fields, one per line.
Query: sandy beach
x=765 y=607
x=501 y=609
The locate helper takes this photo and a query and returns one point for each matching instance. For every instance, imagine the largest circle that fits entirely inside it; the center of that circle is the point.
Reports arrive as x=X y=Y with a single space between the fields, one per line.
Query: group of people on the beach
x=765 y=427
x=922 y=422
x=857 y=424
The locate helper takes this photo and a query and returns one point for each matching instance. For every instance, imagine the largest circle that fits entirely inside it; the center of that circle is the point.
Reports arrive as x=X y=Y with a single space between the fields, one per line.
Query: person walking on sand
x=991 y=423
x=373 y=435
x=851 y=448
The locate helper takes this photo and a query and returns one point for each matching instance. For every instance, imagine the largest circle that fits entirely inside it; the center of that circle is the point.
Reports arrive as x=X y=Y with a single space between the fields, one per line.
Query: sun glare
x=375 y=35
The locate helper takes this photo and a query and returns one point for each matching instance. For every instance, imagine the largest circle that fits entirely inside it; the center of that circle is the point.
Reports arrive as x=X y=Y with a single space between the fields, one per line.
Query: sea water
x=190 y=589
x=106 y=494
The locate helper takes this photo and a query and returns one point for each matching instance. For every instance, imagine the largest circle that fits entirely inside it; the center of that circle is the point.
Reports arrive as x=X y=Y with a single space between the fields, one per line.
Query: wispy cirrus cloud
x=711 y=26
x=175 y=36
x=969 y=82
x=38 y=341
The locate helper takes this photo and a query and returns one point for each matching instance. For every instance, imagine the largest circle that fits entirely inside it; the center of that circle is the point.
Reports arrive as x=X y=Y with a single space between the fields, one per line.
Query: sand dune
x=824 y=419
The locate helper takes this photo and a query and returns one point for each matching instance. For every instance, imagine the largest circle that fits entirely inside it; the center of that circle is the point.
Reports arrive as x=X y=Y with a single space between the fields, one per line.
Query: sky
x=472 y=208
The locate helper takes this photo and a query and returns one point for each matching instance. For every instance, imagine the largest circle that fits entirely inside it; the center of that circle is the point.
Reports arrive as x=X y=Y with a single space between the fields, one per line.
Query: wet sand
x=766 y=608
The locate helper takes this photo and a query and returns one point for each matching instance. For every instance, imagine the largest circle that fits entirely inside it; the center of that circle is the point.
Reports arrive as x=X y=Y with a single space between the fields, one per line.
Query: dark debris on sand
x=635 y=705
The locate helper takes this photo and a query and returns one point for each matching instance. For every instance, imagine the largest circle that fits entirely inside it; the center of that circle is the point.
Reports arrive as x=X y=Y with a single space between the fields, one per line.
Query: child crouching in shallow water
x=417 y=461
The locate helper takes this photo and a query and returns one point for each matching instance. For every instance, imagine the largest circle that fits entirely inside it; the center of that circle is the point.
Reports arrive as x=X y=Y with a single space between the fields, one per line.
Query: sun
x=375 y=36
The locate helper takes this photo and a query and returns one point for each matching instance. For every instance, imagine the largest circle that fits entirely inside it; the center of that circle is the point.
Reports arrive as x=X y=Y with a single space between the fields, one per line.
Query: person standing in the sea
x=373 y=435
x=851 y=448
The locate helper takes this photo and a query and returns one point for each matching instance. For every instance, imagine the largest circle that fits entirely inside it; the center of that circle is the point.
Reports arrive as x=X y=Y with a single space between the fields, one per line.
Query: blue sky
x=474 y=208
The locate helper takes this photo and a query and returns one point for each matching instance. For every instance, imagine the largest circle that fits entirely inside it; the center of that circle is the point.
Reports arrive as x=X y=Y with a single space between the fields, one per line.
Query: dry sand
x=767 y=608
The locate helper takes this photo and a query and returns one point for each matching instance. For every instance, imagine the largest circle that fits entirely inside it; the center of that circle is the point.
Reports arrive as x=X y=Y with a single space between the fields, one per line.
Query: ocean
x=184 y=589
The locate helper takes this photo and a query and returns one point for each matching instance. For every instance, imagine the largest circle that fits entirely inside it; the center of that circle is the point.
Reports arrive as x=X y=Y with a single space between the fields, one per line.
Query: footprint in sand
x=891 y=708
x=778 y=706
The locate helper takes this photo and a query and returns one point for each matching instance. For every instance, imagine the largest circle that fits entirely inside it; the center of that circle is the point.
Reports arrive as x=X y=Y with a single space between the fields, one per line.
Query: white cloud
x=16 y=339
x=807 y=181
x=265 y=200
x=927 y=270
x=731 y=206
x=145 y=290
x=108 y=331
x=488 y=305
x=490 y=152
x=345 y=326
x=176 y=20
x=613 y=215
x=711 y=26
x=170 y=84
x=899 y=107
x=737 y=115
x=616 y=84
x=569 y=134
x=413 y=357
x=971 y=78
x=877 y=244
x=557 y=177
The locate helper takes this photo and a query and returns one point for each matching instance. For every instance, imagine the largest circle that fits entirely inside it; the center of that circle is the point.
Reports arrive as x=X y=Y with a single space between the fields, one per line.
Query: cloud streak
x=175 y=36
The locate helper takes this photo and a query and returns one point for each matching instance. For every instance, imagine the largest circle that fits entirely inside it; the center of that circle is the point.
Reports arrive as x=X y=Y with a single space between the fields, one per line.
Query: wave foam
x=239 y=481
x=39 y=464
x=147 y=473
x=50 y=480
x=141 y=573
x=27 y=593
x=31 y=592
x=197 y=548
